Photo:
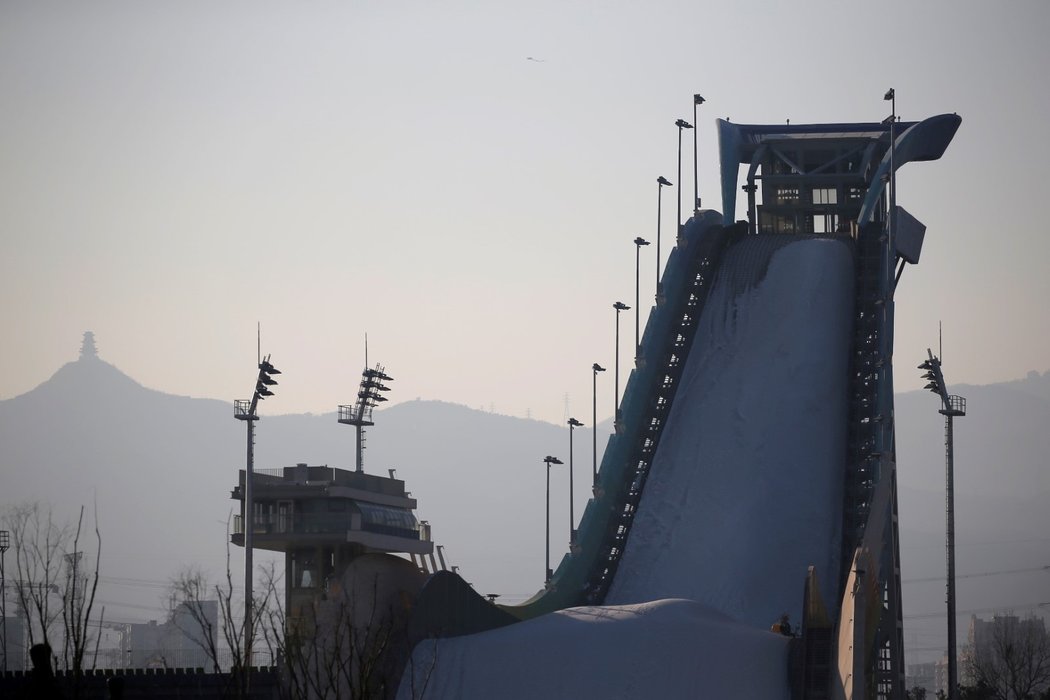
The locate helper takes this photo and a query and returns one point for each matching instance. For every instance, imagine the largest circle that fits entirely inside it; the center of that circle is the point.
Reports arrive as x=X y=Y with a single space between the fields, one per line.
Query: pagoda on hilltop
x=88 y=351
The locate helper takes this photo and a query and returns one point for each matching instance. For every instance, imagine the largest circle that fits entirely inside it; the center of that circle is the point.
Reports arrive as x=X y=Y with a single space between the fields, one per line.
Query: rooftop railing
x=321 y=524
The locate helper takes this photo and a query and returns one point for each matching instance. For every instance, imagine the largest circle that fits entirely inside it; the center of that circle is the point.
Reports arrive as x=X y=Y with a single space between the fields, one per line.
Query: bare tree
x=192 y=596
x=78 y=600
x=1010 y=658
x=349 y=643
x=38 y=546
x=52 y=583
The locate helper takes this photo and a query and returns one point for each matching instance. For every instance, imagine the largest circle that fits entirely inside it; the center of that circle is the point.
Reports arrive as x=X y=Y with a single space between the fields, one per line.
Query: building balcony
x=375 y=527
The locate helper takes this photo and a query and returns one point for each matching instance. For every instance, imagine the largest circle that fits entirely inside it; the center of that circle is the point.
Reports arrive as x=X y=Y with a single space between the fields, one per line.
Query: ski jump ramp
x=751 y=452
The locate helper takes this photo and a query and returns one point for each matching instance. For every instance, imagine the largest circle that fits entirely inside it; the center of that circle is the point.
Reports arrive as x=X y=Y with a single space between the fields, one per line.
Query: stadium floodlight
x=573 y=423
x=246 y=411
x=5 y=544
x=951 y=406
x=359 y=414
x=619 y=306
x=697 y=101
x=681 y=124
x=595 y=369
x=661 y=183
x=638 y=243
x=548 y=460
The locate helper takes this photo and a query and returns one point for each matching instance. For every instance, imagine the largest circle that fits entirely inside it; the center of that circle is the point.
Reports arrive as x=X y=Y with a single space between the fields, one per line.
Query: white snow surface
x=745 y=490
x=661 y=649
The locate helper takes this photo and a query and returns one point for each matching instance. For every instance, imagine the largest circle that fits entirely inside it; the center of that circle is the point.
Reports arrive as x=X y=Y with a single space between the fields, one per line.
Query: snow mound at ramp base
x=662 y=649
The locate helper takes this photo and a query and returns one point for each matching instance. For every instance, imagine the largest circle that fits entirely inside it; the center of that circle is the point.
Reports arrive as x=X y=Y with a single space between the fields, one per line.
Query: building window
x=786 y=195
x=825 y=223
x=765 y=222
x=825 y=195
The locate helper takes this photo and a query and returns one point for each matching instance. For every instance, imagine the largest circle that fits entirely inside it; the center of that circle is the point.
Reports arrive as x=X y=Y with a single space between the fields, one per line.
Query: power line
x=135 y=582
x=983 y=573
x=940 y=545
x=1000 y=608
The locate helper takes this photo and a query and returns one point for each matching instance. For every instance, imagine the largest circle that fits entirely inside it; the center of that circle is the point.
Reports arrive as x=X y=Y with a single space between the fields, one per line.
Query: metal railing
x=242 y=409
x=957 y=405
x=319 y=524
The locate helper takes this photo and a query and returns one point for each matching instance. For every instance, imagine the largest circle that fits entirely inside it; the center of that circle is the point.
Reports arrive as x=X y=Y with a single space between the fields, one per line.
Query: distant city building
x=180 y=642
x=15 y=645
x=931 y=676
x=983 y=636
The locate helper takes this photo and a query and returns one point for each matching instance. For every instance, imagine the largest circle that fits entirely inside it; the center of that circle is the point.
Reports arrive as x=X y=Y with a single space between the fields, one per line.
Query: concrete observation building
x=323 y=518
x=338 y=529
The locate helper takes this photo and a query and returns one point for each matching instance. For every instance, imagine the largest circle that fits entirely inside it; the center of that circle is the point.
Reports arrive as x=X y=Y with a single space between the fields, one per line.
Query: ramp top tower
x=820 y=178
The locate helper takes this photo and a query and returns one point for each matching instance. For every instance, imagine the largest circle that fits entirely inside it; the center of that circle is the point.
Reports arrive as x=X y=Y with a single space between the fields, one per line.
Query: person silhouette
x=783 y=626
x=115 y=687
x=42 y=682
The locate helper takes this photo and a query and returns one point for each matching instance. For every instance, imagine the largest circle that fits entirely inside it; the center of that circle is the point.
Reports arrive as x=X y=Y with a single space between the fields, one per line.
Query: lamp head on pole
x=620 y=306
x=640 y=241
x=890 y=94
x=548 y=460
x=597 y=368
x=573 y=423
x=698 y=100
x=683 y=124
x=664 y=181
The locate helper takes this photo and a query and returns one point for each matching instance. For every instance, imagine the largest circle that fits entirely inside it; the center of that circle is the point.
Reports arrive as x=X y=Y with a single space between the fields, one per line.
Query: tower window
x=786 y=195
x=825 y=195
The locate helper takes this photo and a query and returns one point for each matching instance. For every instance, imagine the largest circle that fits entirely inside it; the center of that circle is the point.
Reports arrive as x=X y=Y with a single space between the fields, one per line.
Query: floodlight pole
x=638 y=243
x=681 y=124
x=619 y=306
x=249 y=529
x=5 y=543
x=697 y=101
x=949 y=546
x=246 y=411
x=548 y=460
x=595 y=369
x=951 y=406
x=890 y=249
x=661 y=182
x=573 y=423
x=547 y=539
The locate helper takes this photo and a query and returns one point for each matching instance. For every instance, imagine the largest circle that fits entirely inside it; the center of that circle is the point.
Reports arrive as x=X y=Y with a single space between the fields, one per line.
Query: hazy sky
x=172 y=173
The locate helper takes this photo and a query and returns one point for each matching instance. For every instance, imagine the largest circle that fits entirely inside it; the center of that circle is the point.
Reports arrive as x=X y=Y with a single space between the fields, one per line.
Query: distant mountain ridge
x=161 y=468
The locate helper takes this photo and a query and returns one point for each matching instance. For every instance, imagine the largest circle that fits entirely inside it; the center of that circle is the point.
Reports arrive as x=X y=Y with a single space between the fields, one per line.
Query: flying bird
x=535 y=60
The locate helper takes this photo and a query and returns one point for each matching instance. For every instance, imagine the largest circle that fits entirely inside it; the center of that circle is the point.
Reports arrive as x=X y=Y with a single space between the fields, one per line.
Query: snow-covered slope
x=746 y=487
